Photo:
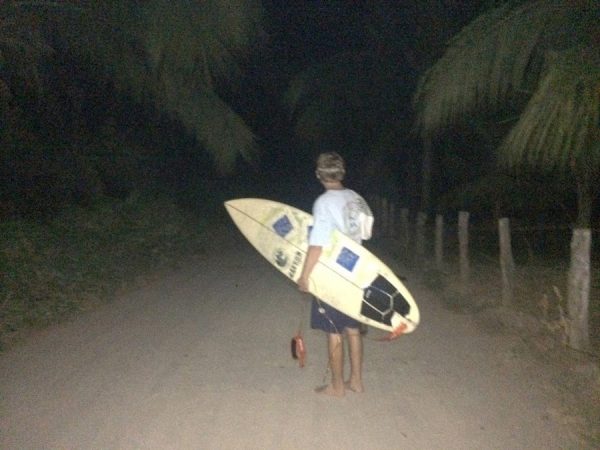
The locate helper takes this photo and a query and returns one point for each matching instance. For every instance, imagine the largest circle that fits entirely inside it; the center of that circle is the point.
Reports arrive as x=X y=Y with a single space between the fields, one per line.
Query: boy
x=345 y=210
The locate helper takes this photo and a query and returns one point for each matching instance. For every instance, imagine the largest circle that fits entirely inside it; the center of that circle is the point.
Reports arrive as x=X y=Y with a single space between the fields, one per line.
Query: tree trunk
x=585 y=197
x=404 y=230
x=384 y=217
x=426 y=169
x=507 y=264
x=578 y=288
x=392 y=220
x=578 y=293
x=463 y=245
x=439 y=241
x=420 y=251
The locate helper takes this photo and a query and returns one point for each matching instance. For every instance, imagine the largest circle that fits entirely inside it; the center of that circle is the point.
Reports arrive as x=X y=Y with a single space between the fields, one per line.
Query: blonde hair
x=330 y=167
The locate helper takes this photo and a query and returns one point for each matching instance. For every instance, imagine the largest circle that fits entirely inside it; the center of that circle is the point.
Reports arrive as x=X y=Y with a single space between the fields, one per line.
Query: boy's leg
x=335 y=344
x=356 y=353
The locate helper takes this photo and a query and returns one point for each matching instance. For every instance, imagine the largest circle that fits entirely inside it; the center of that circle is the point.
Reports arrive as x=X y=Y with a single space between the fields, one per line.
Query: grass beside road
x=48 y=271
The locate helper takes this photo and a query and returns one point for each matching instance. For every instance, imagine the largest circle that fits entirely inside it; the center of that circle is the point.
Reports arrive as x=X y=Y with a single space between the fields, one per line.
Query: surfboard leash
x=298 y=347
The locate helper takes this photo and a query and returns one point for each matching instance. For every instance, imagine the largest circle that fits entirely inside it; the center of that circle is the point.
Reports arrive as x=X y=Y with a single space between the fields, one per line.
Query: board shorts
x=330 y=320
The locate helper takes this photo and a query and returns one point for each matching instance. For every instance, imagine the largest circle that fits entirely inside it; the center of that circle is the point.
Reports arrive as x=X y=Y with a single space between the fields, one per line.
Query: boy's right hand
x=303 y=284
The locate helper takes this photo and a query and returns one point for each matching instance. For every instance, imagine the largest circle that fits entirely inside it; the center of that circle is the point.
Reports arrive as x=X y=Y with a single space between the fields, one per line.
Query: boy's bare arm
x=312 y=256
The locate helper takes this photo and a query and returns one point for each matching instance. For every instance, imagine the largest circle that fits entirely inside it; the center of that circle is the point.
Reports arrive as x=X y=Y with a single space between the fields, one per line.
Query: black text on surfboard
x=295 y=263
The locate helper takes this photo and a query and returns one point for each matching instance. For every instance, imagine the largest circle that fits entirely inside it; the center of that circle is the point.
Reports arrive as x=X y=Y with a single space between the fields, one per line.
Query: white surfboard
x=347 y=276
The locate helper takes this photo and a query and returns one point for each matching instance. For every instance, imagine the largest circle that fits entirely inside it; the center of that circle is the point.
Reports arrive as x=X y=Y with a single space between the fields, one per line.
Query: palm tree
x=544 y=54
x=174 y=54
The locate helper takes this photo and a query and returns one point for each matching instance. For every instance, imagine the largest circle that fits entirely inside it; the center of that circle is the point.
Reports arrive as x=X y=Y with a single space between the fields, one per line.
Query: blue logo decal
x=347 y=259
x=283 y=226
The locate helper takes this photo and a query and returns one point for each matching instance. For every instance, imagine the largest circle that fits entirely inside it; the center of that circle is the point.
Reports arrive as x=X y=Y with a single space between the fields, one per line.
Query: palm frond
x=494 y=58
x=176 y=52
x=560 y=122
x=214 y=124
x=204 y=38
x=190 y=46
x=171 y=53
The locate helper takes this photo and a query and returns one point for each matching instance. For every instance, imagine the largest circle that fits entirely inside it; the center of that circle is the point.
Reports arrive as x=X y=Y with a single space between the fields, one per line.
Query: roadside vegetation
x=82 y=257
x=97 y=105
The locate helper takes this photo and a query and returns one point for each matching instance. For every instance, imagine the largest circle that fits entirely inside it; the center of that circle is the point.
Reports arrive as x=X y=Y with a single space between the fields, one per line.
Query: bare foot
x=330 y=390
x=354 y=386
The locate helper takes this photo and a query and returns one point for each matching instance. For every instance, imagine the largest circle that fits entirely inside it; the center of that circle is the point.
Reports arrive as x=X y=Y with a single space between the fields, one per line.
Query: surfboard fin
x=396 y=333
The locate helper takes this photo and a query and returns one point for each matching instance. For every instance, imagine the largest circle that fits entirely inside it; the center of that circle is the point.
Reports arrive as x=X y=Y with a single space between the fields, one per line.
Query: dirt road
x=200 y=360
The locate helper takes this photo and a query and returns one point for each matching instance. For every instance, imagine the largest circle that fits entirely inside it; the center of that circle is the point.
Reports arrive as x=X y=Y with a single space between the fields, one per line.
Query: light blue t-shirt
x=338 y=209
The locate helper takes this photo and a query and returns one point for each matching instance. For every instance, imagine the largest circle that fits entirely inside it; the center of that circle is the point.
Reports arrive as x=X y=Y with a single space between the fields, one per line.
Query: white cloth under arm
x=344 y=210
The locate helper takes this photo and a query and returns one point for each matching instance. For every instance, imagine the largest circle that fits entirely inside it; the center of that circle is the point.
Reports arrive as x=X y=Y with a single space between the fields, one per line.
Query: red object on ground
x=298 y=349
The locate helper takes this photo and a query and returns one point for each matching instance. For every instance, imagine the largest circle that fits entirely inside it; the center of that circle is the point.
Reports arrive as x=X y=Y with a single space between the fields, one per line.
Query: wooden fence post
x=507 y=264
x=578 y=294
x=463 y=245
x=439 y=241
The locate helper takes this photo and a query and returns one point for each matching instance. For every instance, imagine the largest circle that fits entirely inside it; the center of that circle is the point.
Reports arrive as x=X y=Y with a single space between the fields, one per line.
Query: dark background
x=48 y=137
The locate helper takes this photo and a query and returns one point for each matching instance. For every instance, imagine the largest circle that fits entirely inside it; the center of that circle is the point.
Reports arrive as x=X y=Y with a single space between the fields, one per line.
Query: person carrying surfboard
x=342 y=209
